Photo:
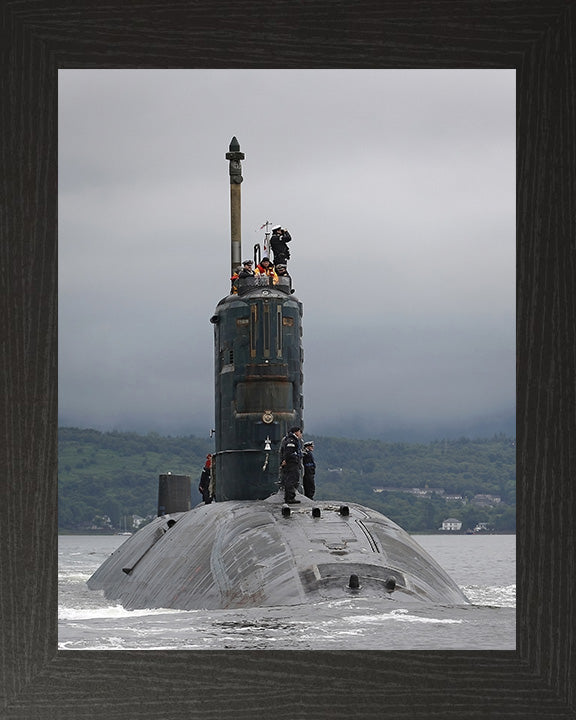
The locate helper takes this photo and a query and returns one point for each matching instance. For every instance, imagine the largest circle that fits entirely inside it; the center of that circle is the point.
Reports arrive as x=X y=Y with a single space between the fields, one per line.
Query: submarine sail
x=249 y=548
x=258 y=385
x=258 y=370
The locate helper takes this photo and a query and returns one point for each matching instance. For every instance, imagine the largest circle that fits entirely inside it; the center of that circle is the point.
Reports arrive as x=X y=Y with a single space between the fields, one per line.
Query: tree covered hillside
x=115 y=475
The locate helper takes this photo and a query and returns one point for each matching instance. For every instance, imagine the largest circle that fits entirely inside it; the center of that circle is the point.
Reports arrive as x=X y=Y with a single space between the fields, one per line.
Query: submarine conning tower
x=258 y=361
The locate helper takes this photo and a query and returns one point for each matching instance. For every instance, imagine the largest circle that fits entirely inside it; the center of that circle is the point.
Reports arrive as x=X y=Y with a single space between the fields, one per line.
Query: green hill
x=115 y=475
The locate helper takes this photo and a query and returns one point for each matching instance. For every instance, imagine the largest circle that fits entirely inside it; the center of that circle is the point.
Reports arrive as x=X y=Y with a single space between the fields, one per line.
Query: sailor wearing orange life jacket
x=233 y=279
x=266 y=268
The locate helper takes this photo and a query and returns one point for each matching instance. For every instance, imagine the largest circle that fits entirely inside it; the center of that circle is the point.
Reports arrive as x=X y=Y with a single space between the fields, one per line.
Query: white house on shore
x=451 y=524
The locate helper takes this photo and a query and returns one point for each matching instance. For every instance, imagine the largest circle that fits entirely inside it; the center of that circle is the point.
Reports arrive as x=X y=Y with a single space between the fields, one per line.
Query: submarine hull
x=239 y=554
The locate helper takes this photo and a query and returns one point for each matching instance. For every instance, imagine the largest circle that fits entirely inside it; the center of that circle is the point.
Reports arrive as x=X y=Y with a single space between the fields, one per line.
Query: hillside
x=115 y=475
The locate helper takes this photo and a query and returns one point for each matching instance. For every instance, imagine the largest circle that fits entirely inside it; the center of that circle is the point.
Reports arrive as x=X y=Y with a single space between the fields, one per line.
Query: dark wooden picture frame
x=537 y=38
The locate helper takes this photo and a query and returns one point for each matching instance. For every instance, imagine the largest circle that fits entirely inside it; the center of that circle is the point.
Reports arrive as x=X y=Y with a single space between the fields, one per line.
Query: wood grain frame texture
x=537 y=38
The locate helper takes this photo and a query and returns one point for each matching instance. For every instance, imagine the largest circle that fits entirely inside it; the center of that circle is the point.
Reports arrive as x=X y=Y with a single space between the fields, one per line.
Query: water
x=482 y=565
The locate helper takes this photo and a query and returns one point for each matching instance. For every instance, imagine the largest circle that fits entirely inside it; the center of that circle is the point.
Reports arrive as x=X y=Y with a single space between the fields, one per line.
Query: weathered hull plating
x=249 y=554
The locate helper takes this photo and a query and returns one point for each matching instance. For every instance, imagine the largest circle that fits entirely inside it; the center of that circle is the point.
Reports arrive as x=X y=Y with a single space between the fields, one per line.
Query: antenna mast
x=235 y=156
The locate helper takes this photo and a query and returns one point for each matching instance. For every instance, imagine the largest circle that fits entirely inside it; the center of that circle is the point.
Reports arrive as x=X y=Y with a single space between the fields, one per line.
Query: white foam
x=396 y=615
x=73 y=577
x=111 y=612
x=401 y=615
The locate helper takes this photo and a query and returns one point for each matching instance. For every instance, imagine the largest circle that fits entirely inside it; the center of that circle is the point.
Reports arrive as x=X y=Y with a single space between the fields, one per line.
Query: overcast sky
x=398 y=188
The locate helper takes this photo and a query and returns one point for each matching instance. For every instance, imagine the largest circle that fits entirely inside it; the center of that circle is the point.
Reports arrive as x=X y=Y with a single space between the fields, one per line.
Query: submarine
x=248 y=548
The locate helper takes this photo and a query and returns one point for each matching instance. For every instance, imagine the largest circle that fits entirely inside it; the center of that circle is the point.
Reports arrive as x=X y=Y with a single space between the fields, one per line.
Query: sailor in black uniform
x=291 y=464
x=278 y=243
x=309 y=470
x=204 y=484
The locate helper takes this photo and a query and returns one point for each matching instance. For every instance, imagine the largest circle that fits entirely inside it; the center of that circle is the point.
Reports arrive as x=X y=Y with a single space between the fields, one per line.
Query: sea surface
x=483 y=566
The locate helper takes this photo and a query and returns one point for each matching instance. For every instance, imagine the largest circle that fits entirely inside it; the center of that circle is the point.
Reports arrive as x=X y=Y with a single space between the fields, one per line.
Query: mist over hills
x=357 y=427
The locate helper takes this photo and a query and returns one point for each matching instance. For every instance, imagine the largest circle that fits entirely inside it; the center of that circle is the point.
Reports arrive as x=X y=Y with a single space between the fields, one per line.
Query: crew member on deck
x=291 y=463
x=309 y=469
x=204 y=485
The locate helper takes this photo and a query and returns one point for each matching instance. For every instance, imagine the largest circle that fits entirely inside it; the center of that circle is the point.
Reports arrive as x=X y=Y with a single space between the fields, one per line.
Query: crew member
x=291 y=464
x=265 y=268
x=233 y=278
x=309 y=469
x=204 y=485
x=247 y=270
x=278 y=242
x=281 y=271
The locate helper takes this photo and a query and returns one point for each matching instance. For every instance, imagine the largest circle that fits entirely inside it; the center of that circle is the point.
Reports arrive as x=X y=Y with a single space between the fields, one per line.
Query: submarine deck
x=264 y=553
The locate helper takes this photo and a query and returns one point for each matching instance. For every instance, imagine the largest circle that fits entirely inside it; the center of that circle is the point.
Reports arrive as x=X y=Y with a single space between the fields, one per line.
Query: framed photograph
x=533 y=681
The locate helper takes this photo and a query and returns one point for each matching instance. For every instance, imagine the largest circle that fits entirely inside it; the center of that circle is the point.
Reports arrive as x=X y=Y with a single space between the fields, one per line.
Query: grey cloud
x=398 y=187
